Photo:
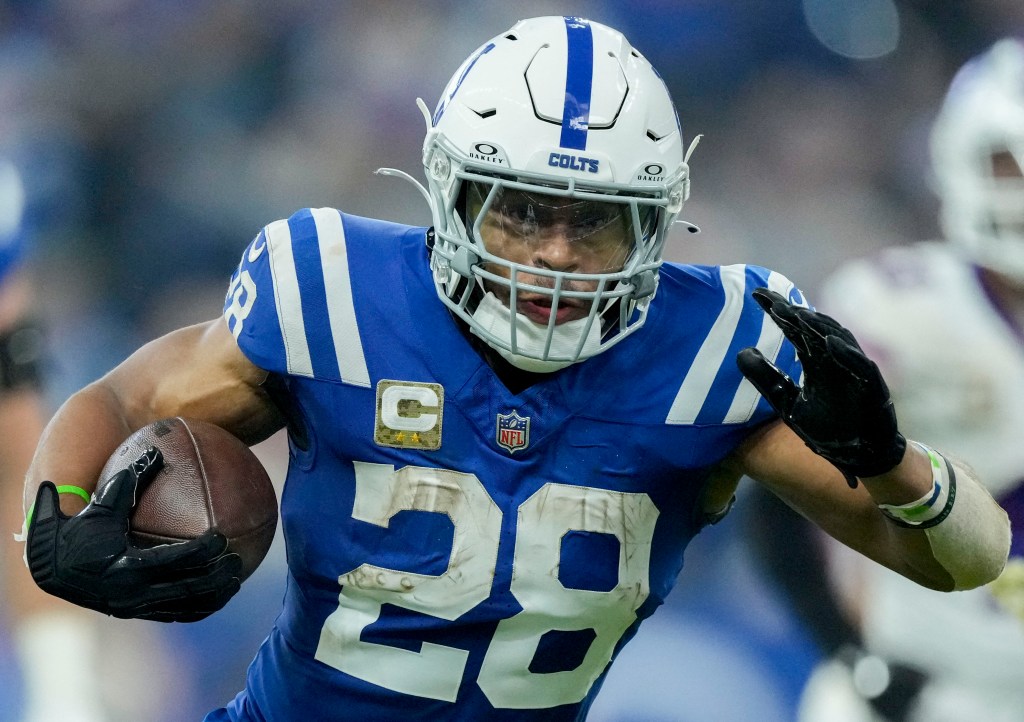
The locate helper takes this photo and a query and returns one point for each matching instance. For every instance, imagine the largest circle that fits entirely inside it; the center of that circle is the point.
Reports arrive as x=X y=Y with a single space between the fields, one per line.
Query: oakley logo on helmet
x=651 y=172
x=488 y=154
x=573 y=162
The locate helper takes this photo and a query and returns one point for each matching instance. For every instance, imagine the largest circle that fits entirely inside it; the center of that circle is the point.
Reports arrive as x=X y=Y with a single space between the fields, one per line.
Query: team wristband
x=934 y=506
x=62 y=489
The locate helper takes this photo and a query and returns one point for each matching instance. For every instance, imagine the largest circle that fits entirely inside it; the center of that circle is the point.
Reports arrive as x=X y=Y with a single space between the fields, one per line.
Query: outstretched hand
x=88 y=559
x=842 y=411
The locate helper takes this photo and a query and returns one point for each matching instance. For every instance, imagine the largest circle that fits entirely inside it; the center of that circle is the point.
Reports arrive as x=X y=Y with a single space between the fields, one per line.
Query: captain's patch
x=409 y=414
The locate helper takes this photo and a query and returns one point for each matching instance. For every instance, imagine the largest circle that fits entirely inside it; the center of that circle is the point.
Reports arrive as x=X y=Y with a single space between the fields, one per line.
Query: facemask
x=494 y=322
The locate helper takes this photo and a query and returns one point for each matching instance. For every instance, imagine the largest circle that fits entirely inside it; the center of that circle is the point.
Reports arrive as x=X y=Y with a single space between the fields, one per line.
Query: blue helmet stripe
x=579 y=81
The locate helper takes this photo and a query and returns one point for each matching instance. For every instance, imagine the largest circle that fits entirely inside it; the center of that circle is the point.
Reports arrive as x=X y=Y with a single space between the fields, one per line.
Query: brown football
x=210 y=479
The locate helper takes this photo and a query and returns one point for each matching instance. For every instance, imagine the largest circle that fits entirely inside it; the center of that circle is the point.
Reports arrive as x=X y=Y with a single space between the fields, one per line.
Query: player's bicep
x=197 y=372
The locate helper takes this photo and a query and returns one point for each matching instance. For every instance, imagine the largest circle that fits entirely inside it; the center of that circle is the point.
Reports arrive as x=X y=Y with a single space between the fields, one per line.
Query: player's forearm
x=77 y=443
x=909 y=480
x=943 y=523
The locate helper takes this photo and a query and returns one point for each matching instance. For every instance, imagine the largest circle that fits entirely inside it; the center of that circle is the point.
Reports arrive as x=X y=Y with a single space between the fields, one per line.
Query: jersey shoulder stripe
x=713 y=391
x=290 y=305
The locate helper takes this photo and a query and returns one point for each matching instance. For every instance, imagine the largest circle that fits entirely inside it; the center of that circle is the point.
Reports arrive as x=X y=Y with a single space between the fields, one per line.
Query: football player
x=51 y=639
x=945 y=321
x=504 y=429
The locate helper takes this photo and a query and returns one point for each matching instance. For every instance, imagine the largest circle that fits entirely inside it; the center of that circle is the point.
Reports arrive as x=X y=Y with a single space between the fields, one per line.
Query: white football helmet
x=980 y=124
x=564 y=113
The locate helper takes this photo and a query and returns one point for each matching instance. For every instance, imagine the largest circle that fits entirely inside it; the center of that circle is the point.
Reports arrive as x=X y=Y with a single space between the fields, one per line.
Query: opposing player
x=953 y=357
x=51 y=638
x=504 y=429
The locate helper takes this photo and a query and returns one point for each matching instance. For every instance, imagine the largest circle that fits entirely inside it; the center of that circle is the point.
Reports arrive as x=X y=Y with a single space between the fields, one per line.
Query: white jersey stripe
x=695 y=387
x=348 y=347
x=286 y=296
x=769 y=342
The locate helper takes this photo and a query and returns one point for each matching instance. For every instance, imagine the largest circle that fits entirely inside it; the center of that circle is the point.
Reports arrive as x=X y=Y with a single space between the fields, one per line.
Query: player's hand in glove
x=88 y=559
x=843 y=411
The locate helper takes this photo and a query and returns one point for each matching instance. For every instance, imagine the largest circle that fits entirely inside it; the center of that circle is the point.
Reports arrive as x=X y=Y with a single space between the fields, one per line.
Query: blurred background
x=156 y=139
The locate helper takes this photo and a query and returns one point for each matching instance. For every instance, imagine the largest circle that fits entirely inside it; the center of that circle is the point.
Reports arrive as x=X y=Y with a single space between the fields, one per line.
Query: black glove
x=843 y=411
x=87 y=559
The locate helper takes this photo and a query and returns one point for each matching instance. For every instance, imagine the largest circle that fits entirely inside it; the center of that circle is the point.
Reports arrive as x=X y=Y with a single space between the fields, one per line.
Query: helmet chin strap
x=494 y=322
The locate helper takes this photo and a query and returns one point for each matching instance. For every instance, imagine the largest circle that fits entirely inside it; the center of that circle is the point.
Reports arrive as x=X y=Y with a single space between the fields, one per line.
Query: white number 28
x=436 y=671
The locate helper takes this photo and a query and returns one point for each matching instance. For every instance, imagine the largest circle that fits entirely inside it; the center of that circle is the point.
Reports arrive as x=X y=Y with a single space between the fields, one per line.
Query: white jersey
x=954 y=363
x=955 y=367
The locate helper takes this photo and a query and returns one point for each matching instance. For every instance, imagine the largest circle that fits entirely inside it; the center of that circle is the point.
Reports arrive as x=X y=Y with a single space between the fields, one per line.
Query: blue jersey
x=456 y=550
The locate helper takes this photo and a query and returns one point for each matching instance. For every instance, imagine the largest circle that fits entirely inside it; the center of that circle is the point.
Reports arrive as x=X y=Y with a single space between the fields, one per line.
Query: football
x=210 y=480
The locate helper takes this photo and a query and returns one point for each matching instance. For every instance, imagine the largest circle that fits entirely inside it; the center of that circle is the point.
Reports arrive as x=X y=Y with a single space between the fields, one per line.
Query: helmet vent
x=486 y=113
x=511 y=36
x=654 y=136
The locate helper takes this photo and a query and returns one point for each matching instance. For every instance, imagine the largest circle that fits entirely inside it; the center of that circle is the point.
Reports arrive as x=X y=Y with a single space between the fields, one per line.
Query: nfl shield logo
x=513 y=432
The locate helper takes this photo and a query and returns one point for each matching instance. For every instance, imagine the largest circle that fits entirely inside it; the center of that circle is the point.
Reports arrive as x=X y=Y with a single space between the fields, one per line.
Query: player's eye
x=519 y=212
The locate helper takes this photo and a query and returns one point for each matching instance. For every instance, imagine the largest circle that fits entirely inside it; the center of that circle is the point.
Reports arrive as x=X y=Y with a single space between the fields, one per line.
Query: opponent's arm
x=916 y=512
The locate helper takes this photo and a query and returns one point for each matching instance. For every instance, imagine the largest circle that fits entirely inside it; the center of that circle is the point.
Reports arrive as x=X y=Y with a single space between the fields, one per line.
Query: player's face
x=1004 y=165
x=556 y=234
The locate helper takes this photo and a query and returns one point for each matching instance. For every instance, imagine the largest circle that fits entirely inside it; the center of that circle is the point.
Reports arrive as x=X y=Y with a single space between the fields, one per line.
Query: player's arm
x=86 y=558
x=915 y=511
x=197 y=371
x=779 y=459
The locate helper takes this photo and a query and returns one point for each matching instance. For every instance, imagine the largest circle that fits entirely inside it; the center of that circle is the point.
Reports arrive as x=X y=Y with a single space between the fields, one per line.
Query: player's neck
x=514 y=379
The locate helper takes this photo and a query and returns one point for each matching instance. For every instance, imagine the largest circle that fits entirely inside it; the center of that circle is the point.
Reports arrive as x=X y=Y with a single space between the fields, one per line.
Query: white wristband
x=934 y=506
